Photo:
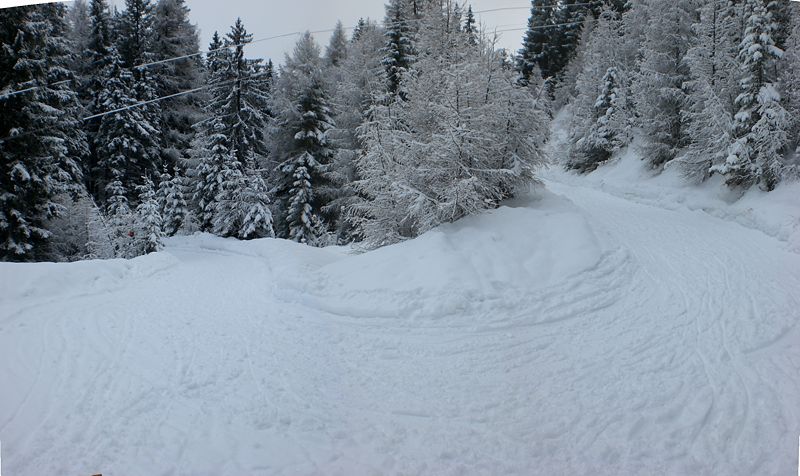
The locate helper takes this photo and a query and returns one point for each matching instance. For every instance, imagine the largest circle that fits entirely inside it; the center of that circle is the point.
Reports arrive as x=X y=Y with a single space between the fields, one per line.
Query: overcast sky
x=264 y=18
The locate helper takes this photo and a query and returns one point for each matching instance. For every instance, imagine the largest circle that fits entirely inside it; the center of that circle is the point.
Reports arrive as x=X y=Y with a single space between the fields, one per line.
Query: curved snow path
x=677 y=353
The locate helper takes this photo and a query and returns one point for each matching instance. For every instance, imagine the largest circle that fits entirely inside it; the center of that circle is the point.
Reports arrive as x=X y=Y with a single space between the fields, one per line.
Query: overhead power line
x=529 y=7
x=543 y=27
x=121 y=109
x=178 y=58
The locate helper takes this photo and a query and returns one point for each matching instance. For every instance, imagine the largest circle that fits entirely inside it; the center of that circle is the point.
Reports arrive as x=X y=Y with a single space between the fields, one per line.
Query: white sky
x=264 y=18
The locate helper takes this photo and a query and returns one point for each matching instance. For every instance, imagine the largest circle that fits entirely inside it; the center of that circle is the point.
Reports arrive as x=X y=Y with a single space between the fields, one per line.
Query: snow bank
x=776 y=213
x=479 y=263
x=40 y=280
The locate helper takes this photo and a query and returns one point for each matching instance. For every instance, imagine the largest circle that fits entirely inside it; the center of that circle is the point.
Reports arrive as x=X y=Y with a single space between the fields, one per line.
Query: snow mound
x=38 y=280
x=480 y=263
x=775 y=213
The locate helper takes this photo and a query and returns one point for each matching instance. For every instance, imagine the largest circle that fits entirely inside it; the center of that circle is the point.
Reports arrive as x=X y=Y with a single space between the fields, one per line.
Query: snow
x=775 y=213
x=590 y=328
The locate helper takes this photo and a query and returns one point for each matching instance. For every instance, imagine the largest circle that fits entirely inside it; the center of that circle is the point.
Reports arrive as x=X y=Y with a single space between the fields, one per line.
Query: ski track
x=677 y=353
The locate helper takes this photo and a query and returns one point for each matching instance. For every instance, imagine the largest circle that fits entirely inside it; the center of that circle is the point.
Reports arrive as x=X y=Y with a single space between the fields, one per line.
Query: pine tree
x=788 y=74
x=239 y=90
x=136 y=33
x=595 y=89
x=126 y=142
x=470 y=27
x=761 y=121
x=42 y=137
x=569 y=16
x=659 y=86
x=172 y=202
x=242 y=208
x=303 y=150
x=536 y=53
x=148 y=219
x=95 y=60
x=358 y=29
x=234 y=131
x=608 y=132
x=121 y=220
x=336 y=51
x=214 y=160
x=174 y=37
x=398 y=52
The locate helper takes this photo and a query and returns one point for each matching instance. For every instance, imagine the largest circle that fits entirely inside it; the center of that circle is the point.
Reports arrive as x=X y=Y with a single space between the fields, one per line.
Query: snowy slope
x=573 y=332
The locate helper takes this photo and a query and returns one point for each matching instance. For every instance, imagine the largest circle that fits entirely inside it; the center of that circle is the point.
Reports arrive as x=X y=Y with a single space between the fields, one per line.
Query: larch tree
x=336 y=50
x=660 y=83
x=466 y=138
x=708 y=113
x=361 y=84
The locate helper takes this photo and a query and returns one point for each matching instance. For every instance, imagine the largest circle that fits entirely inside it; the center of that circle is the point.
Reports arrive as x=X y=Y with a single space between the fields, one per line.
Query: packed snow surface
x=582 y=330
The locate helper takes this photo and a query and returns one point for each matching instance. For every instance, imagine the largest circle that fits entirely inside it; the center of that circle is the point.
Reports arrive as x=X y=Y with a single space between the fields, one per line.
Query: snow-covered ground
x=588 y=329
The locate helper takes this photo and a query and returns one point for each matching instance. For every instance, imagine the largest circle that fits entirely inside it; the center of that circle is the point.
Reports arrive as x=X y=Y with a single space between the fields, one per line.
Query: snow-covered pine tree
x=242 y=207
x=136 y=33
x=789 y=71
x=303 y=223
x=596 y=58
x=237 y=114
x=336 y=51
x=303 y=119
x=358 y=29
x=569 y=16
x=760 y=122
x=121 y=221
x=172 y=201
x=470 y=27
x=41 y=137
x=214 y=160
x=565 y=91
x=608 y=133
x=659 y=86
x=536 y=53
x=398 y=52
x=240 y=90
x=95 y=60
x=135 y=44
x=126 y=142
x=174 y=36
x=149 y=223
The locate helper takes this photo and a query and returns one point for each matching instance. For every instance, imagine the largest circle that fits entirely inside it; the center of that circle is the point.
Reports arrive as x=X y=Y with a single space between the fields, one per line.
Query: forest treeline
x=116 y=130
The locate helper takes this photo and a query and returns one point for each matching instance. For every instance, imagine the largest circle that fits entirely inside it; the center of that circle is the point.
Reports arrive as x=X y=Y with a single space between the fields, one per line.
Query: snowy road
x=667 y=342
